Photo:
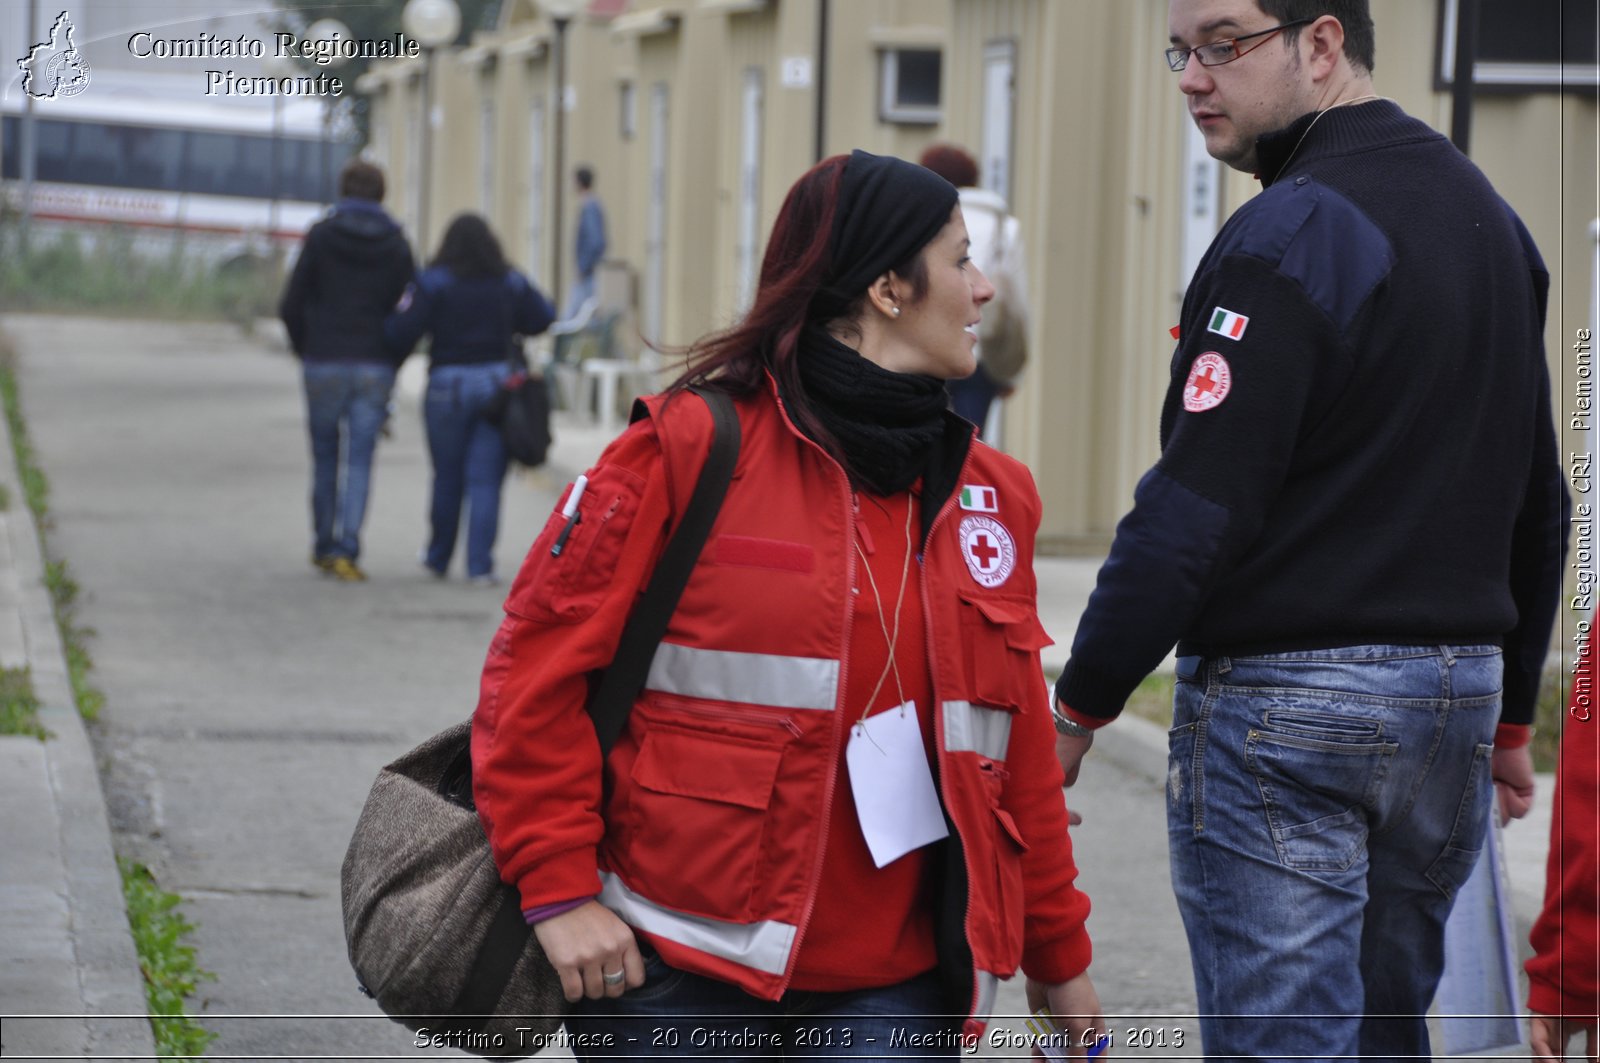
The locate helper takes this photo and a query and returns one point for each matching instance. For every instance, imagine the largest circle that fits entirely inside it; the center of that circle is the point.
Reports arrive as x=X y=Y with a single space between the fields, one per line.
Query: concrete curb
x=103 y=1013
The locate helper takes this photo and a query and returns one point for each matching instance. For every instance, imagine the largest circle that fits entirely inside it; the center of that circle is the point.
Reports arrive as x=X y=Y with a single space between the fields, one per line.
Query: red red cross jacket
x=703 y=832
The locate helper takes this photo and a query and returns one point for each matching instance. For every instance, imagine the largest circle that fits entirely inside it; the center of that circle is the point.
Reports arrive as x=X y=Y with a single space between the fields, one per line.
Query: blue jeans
x=676 y=1014
x=346 y=403
x=1323 y=807
x=469 y=463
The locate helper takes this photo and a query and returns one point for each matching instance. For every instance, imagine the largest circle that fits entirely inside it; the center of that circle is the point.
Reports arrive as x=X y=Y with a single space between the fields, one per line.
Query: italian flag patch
x=979 y=499
x=1227 y=323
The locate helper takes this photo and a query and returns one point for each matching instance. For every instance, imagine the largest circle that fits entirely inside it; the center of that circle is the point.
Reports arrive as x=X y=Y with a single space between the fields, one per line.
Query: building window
x=910 y=88
x=1525 y=44
x=627 y=110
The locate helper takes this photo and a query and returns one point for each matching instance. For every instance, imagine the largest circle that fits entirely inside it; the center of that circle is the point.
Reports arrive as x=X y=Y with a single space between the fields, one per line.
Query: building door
x=999 y=97
x=1202 y=200
x=655 y=229
x=749 y=240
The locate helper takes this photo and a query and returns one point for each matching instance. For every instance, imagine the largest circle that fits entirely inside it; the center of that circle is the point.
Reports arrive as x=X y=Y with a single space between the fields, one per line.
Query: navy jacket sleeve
x=297 y=293
x=412 y=316
x=1220 y=469
x=1539 y=539
x=532 y=312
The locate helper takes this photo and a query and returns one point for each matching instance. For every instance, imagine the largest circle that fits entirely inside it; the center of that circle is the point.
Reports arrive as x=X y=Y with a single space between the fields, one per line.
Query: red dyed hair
x=952 y=163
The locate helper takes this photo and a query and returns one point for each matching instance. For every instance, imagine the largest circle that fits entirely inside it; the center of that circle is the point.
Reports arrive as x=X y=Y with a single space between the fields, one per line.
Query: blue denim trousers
x=469 y=463
x=1323 y=807
x=677 y=1014
x=346 y=403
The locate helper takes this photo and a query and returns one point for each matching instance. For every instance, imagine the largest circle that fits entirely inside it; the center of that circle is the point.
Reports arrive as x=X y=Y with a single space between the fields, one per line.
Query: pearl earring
x=895 y=310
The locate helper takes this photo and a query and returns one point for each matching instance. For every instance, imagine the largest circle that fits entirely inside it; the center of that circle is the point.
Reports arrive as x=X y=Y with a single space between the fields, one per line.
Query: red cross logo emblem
x=1209 y=382
x=988 y=550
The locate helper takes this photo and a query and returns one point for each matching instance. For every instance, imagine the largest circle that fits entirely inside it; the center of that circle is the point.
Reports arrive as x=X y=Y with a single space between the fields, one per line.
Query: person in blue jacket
x=590 y=243
x=473 y=304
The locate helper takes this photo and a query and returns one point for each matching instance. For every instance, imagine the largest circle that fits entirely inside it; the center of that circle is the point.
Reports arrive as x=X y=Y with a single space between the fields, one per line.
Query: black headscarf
x=887 y=210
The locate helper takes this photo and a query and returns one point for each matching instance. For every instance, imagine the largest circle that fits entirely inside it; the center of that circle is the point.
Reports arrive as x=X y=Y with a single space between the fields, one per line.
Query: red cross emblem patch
x=1210 y=380
x=988 y=550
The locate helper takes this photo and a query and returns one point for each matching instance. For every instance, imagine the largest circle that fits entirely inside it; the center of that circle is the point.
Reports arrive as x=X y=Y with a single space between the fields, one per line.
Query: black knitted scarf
x=889 y=426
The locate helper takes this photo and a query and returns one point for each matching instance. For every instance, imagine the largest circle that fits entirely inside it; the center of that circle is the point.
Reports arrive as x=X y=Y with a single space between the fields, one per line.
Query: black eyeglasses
x=1218 y=53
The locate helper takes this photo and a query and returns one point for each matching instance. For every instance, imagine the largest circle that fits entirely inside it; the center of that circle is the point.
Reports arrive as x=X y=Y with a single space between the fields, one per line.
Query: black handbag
x=434 y=935
x=521 y=409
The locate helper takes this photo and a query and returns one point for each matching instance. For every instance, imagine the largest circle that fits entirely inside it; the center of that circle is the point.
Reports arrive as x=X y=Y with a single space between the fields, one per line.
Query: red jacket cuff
x=1094 y=723
x=560 y=877
x=1512 y=735
x=1061 y=960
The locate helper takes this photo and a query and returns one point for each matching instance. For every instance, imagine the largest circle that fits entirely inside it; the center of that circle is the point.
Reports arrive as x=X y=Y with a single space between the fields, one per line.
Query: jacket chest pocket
x=568 y=585
x=1001 y=639
x=695 y=820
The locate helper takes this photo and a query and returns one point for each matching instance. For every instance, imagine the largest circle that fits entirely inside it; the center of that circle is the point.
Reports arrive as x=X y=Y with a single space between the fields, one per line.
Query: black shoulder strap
x=625 y=676
x=508 y=933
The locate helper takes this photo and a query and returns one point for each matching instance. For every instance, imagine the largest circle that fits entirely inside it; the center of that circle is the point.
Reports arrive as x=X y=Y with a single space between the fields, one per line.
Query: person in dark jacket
x=353 y=267
x=473 y=304
x=1354 y=536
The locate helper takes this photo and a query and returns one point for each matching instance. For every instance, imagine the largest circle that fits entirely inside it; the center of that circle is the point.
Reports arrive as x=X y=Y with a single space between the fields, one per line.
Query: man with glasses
x=1354 y=535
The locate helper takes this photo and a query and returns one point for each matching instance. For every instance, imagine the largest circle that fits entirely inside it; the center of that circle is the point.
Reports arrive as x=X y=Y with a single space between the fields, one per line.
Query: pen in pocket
x=570 y=513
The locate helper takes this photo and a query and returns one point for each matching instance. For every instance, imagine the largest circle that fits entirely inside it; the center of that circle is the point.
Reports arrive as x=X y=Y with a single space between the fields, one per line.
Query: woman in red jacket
x=834 y=821
x=1564 y=973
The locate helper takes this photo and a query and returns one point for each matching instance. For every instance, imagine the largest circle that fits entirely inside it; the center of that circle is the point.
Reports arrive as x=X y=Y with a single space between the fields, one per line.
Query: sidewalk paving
x=65 y=948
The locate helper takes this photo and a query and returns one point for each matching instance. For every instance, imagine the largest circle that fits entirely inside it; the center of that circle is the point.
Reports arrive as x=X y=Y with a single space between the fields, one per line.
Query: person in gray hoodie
x=353 y=267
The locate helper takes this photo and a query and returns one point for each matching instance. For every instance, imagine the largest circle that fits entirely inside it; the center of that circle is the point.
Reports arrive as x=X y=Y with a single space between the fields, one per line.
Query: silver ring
x=613 y=977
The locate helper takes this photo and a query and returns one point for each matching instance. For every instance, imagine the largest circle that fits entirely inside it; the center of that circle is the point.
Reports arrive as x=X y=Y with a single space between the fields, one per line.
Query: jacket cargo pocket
x=692 y=827
x=1001 y=641
x=567 y=587
x=1008 y=911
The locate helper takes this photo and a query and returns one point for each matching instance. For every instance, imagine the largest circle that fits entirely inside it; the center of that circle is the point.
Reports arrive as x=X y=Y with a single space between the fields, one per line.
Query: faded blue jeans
x=1323 y=807
x=469 y=463
x=677 y=1014
x=346 y=403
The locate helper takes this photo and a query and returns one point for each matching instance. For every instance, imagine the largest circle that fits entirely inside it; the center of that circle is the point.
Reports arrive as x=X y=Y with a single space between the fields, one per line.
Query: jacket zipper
x=938 y=720
x=838 y=707
x=678 y=703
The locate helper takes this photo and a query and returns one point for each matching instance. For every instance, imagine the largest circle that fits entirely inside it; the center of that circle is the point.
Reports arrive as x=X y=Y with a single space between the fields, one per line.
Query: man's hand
x=1551 y=1034
x=1512 y=770
x=587 y=944
x=1070 y=749
x=1074 y=1006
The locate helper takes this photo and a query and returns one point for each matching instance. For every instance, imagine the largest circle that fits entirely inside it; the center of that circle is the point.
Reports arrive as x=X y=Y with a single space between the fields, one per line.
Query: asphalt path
x=251 y=701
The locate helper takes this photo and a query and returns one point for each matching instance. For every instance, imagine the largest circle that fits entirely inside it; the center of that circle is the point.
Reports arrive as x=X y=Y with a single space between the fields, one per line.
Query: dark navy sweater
x=472 y=320
x=1357 y=444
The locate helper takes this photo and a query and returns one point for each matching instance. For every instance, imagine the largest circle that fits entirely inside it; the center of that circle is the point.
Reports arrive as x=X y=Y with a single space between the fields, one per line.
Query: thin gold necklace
x=1318 y=118
x=892 y=636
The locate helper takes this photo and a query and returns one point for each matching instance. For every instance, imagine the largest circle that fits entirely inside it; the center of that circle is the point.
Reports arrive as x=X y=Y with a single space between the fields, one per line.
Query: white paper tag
x=896 y=802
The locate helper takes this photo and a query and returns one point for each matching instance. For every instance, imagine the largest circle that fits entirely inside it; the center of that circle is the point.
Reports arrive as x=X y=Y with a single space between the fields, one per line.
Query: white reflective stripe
x=760 y=946
x=988 y=991
x=752 y=678
x=970 y=728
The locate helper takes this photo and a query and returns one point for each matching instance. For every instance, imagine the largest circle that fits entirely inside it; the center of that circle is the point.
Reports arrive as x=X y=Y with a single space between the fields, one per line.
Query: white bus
x=153 y=154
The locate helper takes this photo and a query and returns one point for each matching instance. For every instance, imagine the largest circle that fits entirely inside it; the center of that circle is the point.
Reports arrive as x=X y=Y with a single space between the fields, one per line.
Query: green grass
x=63 y=588
x=61 y=274
x=74 y=639
x=19 y=707
x=168 y=965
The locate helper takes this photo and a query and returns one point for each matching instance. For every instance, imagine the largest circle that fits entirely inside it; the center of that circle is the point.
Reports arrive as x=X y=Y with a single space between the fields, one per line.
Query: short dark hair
x=585 y=177
x=954 y=164
x=1360 y=40
x=361 y=180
